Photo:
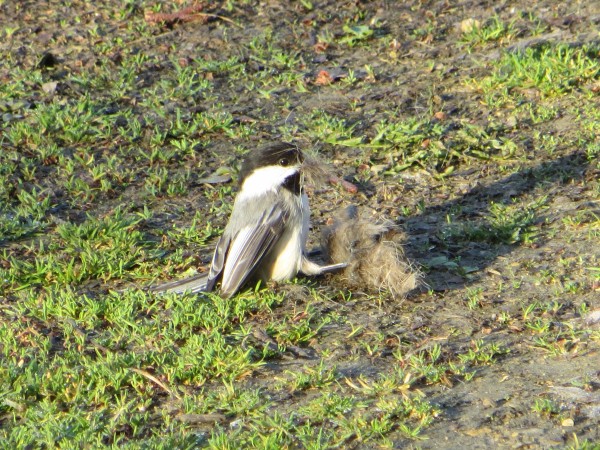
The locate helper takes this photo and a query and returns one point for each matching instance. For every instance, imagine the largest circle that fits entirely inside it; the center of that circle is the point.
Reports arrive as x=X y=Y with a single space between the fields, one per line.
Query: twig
x=156 y=380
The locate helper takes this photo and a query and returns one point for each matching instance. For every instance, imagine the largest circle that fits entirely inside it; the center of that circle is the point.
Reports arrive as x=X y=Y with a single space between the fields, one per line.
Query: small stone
x=593 y=317
x=488 y=403
x=567 y=423
x=49 y=87
x=511 y=122
x=468 y=25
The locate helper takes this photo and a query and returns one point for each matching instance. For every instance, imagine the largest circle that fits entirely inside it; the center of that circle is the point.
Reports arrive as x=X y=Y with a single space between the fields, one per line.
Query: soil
x=416 y=74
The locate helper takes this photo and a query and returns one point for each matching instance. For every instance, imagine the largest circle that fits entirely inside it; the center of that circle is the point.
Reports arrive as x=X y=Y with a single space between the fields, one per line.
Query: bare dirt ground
x=527 y=284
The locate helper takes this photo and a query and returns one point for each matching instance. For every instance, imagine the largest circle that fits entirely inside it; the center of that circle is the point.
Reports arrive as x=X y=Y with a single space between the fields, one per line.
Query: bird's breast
x=285 y=259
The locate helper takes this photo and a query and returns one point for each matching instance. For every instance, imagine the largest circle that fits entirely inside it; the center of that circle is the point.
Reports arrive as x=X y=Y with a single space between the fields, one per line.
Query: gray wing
x=238 y=256
x=218 y=261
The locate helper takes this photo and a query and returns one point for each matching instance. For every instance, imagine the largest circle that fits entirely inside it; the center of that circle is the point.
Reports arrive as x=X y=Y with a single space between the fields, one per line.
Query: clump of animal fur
x=373 y=252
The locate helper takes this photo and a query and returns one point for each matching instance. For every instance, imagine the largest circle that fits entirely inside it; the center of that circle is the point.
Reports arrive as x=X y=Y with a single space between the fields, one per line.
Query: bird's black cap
x=275 y=154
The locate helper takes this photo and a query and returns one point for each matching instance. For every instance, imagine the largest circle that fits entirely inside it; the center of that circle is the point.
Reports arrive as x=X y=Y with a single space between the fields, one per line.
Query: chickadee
x=266 y=235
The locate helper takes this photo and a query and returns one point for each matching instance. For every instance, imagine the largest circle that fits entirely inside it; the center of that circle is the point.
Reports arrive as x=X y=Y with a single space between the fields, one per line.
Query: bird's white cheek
x=264 y=180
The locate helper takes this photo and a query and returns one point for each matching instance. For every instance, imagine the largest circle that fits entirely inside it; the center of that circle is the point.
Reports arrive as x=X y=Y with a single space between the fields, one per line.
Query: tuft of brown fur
x=314 y=170
x=373 y=252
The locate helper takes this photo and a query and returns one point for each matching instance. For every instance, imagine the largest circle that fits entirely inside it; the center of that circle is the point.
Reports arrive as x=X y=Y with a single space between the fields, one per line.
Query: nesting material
x=373 y=251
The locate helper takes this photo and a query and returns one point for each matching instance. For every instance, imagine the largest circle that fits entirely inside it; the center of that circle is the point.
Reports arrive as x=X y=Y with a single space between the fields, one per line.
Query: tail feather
x=193 y=285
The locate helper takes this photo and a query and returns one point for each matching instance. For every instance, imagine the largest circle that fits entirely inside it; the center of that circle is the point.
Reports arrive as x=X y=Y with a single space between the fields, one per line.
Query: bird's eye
x=283 y=162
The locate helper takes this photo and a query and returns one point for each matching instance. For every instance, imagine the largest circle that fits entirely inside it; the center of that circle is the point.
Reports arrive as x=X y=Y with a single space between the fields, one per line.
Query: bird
x=265 y=237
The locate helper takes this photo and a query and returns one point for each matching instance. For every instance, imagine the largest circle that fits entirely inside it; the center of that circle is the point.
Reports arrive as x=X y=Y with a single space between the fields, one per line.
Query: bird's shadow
x=488 y=222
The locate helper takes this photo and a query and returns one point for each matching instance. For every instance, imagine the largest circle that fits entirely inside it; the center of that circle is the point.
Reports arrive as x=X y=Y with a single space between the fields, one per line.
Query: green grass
x=494 y=29
x=549 y=70
x=88 y=358
x=101 y=195
x=508 y=224
x=102 y=367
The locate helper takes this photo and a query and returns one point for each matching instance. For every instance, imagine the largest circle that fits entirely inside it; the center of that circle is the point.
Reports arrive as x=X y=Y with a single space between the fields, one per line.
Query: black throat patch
x=292 y=183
